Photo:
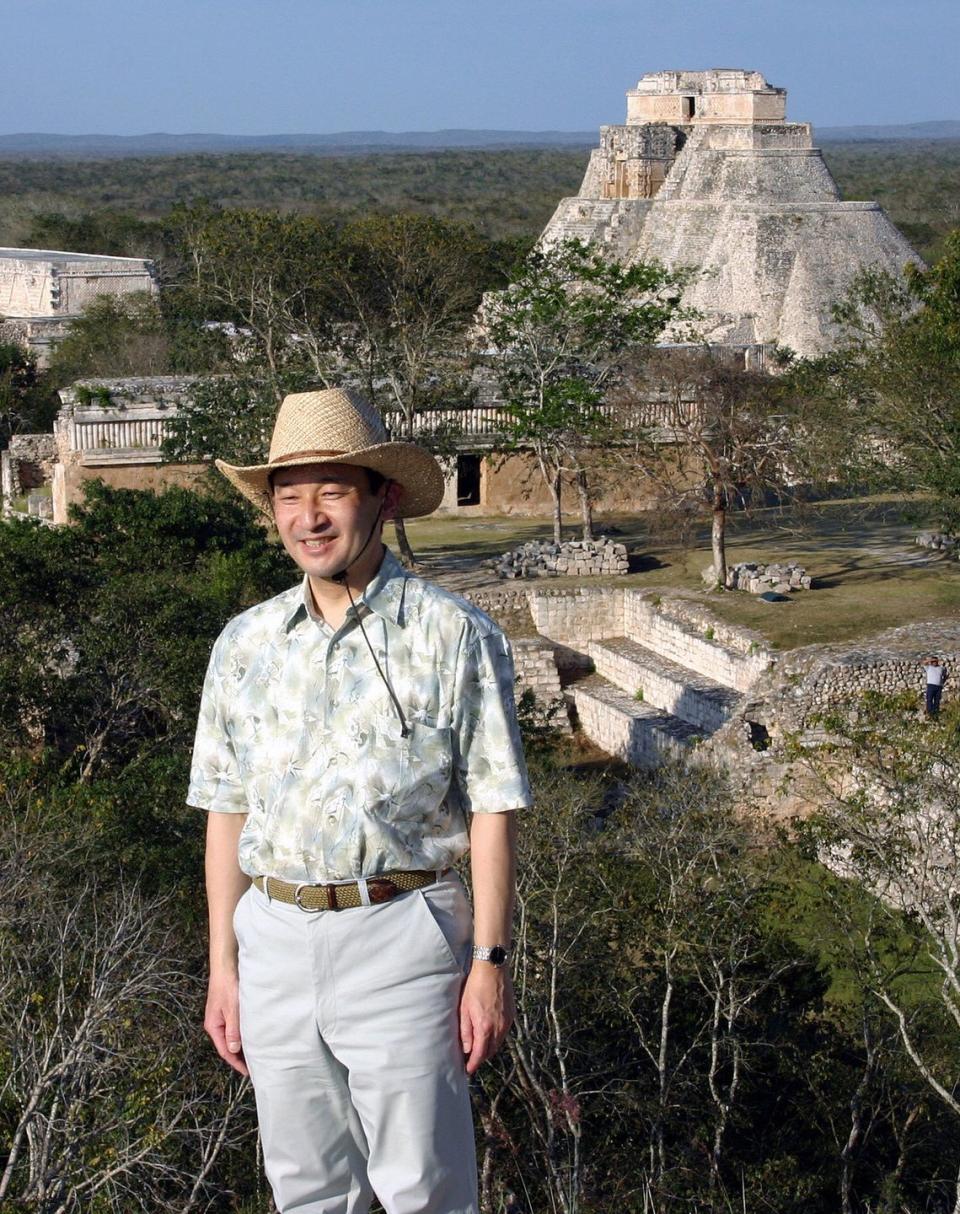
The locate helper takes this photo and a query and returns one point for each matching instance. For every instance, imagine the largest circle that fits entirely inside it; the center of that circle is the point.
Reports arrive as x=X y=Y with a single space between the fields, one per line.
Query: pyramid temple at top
x=707 y=172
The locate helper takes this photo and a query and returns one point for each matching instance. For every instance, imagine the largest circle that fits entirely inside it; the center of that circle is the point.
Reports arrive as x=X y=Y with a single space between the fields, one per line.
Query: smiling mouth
x=318 y=545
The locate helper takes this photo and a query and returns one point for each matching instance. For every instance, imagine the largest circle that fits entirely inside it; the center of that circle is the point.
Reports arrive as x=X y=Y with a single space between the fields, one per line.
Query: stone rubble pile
x=574 y=558
x=939 y=541
x=758 y=579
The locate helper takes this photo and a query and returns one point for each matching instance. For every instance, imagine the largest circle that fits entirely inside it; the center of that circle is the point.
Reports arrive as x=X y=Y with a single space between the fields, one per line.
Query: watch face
x=498 y=954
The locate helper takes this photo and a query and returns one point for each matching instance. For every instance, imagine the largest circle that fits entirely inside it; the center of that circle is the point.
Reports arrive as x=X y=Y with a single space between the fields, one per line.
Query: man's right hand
x=222 y=1021
x=226 y=885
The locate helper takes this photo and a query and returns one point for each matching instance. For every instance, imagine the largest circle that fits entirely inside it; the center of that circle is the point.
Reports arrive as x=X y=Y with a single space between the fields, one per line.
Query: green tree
x=107 y=624
x=383 y=303
x=229 y=417
x=408 y=287
x=891 y=823
x=105 y=231
x=559 y=333
x=268 y=273
x=115 y=336
x=897 y=372
x=27 y=403
x=710 y=436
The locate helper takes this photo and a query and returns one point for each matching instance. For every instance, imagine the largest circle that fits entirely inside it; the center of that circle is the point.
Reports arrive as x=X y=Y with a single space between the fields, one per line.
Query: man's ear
x=391 y=500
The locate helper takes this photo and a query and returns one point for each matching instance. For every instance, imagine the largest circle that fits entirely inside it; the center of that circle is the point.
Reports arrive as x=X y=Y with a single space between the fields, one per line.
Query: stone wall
x=660 y=686
x=112 y=429
x=676 y=628
x=714 y=95
x=40 y=282
x=573 y=618
x=757 y=747
x=510 y=602
x=823 y=678
x=692 y=637
x=27 y=464
x=69 y=479
x=513 y=485
x=536 y=671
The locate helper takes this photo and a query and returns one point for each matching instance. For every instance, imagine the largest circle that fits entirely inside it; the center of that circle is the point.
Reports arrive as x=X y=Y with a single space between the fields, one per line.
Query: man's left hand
x=486 y=1012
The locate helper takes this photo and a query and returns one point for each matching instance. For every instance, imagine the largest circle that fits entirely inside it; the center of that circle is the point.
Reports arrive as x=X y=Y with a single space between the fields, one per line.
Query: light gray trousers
x=350 y=1029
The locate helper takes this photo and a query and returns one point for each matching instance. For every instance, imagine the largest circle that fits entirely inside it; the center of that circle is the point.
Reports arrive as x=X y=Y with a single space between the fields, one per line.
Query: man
x=935 y=676
x=348 y=730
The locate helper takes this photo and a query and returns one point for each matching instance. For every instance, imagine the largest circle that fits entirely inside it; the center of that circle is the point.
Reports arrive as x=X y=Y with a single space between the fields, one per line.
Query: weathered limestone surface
x=707 y=172
x=27 y=463
x=652 y=679
x=574 y=618
x=785 y=707
x=44 y=282
x=667 y=674
x=112 y=429
x=690 y=636
x=42 y=289
x=536 y=670
x=639 y=734
x=820 y=678
x=709 y=691
x=573 y=558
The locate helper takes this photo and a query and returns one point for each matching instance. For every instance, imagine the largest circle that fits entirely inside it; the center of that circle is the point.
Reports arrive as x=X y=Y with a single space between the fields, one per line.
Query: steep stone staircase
x=685 y=160
x=584 y=219
x=665 y=685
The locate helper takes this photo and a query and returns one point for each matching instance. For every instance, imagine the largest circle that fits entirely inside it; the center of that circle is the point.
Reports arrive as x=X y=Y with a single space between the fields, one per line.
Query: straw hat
x=339 y=426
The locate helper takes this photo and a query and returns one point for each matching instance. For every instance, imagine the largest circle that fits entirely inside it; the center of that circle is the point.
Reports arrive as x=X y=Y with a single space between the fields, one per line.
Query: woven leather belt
x=380 y=888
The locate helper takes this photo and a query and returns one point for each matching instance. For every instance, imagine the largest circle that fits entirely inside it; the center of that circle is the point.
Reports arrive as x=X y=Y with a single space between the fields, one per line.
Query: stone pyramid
x=707 y=172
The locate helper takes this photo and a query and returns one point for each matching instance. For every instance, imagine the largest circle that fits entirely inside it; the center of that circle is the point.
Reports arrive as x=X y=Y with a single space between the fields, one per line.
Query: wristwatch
x=497 y=955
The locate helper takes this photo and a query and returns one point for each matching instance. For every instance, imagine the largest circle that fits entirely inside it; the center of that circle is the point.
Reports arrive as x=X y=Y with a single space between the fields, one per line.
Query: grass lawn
x=868 y=574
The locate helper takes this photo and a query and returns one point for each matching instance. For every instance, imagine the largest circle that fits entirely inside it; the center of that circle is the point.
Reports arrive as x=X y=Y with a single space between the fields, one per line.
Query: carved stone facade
x=707 y=172
x=112 y=429
x=41 y=290
x=26 y=464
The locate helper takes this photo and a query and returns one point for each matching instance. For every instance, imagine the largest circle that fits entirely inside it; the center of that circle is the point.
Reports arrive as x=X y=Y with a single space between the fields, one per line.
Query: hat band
x=288 y=457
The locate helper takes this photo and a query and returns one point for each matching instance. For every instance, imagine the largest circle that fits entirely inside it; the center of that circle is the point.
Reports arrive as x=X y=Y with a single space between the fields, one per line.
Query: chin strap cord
x=341 y=580
x=404 y=727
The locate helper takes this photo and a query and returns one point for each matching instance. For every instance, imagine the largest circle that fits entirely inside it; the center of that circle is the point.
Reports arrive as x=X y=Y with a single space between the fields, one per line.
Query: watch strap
x=496 y=954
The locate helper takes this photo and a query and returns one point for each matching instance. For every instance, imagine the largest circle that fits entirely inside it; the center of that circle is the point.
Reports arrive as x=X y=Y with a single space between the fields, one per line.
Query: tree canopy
x=895 y=380
x=558 y=334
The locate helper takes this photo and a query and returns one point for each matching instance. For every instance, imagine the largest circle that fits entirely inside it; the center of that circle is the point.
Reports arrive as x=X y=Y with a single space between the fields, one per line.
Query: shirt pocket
x=425 y=767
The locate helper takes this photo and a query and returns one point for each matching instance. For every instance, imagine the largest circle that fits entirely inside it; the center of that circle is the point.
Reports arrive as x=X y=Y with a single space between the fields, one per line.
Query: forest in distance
x=506 y=193
x=715 y=1013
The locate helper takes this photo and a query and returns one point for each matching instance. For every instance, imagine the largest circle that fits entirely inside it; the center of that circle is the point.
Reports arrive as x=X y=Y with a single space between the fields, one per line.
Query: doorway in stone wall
x=468 y=480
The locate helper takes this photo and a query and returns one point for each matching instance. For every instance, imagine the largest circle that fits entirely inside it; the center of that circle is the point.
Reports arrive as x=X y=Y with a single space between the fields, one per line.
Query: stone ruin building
x=112 y=430
x=707 y=172
x=42 y=290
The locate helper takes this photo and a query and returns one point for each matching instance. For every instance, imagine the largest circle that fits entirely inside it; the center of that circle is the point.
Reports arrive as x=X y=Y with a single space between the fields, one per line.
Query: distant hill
x=82 y=147
x=338 y=143
x=870 y=134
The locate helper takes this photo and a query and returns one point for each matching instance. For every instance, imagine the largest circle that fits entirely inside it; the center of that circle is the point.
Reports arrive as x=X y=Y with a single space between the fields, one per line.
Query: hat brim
x=416 y=472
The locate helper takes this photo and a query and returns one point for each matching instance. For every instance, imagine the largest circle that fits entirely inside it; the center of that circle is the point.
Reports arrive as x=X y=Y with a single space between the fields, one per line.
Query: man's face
x=324 y=514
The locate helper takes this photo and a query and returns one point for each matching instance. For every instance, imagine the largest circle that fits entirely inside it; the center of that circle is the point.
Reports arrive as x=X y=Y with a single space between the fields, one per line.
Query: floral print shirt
x=297 y=730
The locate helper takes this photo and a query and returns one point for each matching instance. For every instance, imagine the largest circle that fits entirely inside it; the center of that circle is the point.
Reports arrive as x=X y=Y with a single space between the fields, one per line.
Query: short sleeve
x=489 y=768
x=215 y=782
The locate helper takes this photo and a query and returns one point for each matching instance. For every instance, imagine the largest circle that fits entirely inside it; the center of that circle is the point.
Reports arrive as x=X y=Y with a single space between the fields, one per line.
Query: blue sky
x=270 y=66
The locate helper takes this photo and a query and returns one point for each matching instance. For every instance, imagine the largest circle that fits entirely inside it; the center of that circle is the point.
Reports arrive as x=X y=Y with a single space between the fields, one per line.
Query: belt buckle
x=381 y=889
x=309 y=910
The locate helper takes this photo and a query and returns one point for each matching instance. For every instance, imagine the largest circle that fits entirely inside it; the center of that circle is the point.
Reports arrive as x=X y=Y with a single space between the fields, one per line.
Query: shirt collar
x=383 y=594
